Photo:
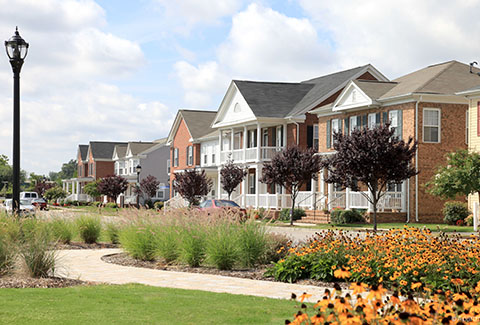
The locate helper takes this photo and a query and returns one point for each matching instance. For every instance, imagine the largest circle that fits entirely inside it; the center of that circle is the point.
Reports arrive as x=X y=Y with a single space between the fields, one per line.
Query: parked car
x=29 y=196
x=25 y=206
x=221 y=204
x=40 y=203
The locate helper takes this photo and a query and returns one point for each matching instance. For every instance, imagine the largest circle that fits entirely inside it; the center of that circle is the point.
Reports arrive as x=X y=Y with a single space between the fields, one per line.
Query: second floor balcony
x=263 y=153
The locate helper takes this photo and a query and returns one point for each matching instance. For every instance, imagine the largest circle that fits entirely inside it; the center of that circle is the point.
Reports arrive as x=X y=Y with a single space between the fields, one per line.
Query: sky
x=118 y=70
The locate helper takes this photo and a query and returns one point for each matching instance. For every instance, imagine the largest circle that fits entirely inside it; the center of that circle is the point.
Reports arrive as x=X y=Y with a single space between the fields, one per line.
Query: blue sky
x=119 y=70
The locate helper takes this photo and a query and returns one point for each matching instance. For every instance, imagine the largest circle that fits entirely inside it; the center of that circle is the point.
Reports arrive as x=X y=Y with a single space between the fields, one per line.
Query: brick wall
x=181 y=140
x=103 y=168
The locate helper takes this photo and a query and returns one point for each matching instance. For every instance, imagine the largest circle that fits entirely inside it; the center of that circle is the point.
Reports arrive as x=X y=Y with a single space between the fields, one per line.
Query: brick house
x=97 y=160
x=422 y=105
x=184 y=138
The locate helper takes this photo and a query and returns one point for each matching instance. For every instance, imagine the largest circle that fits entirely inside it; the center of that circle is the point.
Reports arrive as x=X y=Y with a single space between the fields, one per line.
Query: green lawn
x=434 y=227
x=137 y=304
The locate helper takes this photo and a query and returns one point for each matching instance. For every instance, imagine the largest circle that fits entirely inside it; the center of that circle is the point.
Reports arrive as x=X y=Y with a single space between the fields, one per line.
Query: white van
x=28 y=196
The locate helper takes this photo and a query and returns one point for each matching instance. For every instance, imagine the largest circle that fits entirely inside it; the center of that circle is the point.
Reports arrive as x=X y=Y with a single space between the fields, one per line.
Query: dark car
x=40 y=203
x=220 y=204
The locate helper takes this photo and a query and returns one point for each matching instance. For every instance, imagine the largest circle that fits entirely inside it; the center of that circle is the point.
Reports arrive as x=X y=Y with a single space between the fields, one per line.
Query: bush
x=340 y=216
x=112 y=231
x=89 y=229
x=192 y=245
x=277 y=247
x=54 y=193
x=297 y=214
x=158 y=205
x=453 y=211
x=62 y=230
x=148 y=204
x=111 y=205
x=7 y=253
x=469 y=220
x=139 y=242
x=222 y=247
x=37 y=253
x=95 y=204
x=252 y=243
x=168 y=243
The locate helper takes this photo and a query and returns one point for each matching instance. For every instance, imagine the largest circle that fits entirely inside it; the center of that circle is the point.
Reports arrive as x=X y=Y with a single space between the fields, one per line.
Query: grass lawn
x=433 y=227
x=138 y=304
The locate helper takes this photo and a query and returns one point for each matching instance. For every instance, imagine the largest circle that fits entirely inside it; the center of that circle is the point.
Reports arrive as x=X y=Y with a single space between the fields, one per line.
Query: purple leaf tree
x=148 y=187
x=231 y=176
x=373 y=157
x=112 y=186
x=191 y=184
x=292 y=168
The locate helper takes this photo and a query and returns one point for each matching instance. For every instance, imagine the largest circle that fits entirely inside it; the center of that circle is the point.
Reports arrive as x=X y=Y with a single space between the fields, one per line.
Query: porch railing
x=249 y=154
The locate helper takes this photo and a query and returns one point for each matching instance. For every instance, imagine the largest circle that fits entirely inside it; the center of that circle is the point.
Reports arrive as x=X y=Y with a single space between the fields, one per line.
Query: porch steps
x=314 y=216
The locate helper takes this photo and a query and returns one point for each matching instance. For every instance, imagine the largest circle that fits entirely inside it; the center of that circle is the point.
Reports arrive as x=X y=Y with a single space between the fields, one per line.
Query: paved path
x=86 y=264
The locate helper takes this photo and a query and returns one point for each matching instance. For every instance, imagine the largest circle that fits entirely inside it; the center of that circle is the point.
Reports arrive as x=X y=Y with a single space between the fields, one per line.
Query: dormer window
x=237 y=108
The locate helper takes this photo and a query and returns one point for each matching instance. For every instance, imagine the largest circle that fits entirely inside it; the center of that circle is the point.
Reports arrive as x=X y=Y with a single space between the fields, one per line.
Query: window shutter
x=385 y=118
x=187 y=156
x=377 y=119
x=255 y=138
x=347 y=129
x=329 y=133
x=309 y=136
x=364 y=121
x=400 y=124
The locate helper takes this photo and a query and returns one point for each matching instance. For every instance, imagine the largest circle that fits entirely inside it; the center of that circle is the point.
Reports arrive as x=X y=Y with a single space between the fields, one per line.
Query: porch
x=391 y=201
x=74 y=189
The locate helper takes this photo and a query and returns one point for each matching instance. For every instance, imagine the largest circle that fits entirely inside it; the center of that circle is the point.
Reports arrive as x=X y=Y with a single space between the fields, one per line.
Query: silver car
x=26 y=206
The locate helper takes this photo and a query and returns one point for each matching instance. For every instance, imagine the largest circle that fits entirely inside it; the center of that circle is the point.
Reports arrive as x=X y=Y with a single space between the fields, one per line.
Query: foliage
x=158 y=205
x=252 y=244
x=112 y=230
x=297 y=214
x=7 y=249
x=112 y=186
x=168 y=243
x=292 y=168
x=469 y=220
x=67 y=171
x=91 y=189
x=191 y=184
x=148 y=187
x=96 y=203
x=89 y=228
x=111 y=205
x=139 y=241
x=373 y=157
x=461 y=175
x=193 y=245
x=340 y=216
x=55 y=193
x=231 y=176
x=276 y=244
x=453 y=211
x=62 y=230
x=37 y=253
x=222 y=248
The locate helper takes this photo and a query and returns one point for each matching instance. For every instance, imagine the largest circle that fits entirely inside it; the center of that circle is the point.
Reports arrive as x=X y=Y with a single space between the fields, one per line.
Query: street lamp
x=17 y=50
x=138 y=169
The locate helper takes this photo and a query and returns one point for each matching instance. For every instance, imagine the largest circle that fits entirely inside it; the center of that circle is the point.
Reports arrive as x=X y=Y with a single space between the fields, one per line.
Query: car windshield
x=226 y=203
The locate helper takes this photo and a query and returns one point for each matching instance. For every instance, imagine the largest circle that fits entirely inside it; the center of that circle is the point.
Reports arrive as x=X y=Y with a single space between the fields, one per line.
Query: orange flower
x=416 y=285
x=342 y=273
x=304 y=296
x=358 y=287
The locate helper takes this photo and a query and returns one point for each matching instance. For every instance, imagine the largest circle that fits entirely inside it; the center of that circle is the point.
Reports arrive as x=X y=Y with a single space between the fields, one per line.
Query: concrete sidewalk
x=86 y=264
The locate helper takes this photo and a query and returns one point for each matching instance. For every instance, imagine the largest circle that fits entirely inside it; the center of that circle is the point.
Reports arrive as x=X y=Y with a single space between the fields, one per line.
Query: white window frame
x=372 y=120
x=190 y=156
x=439 y=126
x=335 y=128
x=175 y=157
x=237 y=140
x=168 y=166
x=316 y=139
x=393 y=116
x=353 y=124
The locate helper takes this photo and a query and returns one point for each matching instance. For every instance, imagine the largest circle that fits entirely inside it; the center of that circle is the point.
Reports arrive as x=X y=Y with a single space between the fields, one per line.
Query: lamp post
x=138 y=169
x=17 y=50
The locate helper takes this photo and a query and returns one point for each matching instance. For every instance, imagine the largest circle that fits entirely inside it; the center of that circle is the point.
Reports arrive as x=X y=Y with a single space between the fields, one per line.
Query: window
x=372 y=121
x=251 y=183
x=160 y=194
x=90 y=169
x=335 y=127
x=237 y=108
x=431 y=125
x=279 y=140
x=175 y=157
x=213 y=158
x=190 y=155
x=353 y=123
x=394 y=118
x=237 y=140
x=394 y=187
x=315 y=136
x=252 y=139
x=205 y=159
x=265 y=137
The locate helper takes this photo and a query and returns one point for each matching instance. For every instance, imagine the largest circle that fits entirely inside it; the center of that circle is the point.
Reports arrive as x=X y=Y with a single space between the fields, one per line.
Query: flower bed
x=397 y=259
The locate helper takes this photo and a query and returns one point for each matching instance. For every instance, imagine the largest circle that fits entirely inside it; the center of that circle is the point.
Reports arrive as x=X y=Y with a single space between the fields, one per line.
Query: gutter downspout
x=416 y=159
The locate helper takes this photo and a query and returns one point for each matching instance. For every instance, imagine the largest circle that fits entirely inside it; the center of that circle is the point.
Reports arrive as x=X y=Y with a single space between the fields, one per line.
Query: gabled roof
x=120 y=150
x=103 y=150
x=137 y=147
x=83 y=149
x=374 y=88
x=272 y=99
x=198 y=123
x=445 y=78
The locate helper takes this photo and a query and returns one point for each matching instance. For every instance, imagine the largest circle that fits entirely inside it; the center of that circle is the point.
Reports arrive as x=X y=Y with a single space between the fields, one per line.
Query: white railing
x=338 y=200
x=391 y=201
x=250 y=200
x=268 y=153
x=304 y=199
x=358 y=200
x=250 y=153
x=224 y=156
x=79 y=197
x=176 y=202
x=237 y=155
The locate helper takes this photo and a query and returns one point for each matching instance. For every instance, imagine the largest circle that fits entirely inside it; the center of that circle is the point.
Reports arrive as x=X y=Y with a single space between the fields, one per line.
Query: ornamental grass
x=396 y=259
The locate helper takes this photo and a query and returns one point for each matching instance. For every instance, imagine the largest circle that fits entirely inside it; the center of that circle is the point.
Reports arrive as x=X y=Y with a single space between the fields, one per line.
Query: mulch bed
x=254 y=274
x=51 y=282
x=80 y=245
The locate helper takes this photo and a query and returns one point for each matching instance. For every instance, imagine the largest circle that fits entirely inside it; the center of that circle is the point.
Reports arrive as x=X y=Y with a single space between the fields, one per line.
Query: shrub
x=112 y=231
x=111 y=205
x=89 y=229
x=168 y=243
x=7 y=253
x=192 y=245
x=469 y=220
x=95 y=204
x=62 y=230
x=222 y=247
x=277 y=247
x=158 y=205
x=297 y=214
x=252 y=243
x=148 y=204
x=37 y=253
x=340 y=216
x=139 y=242
x=454 y=211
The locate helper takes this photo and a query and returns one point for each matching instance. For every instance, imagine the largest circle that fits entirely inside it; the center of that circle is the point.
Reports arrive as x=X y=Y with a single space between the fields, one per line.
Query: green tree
x=460 y=176
x=55 y=193
x=92 y=189
x=67 y=171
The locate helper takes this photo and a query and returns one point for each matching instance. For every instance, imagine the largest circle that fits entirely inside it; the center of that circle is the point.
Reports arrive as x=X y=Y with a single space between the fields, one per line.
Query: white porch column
x=63 y=185
x=244 y=154
x=475 y=216
x=231 y=142
x=244 y=191
x=347 y=198
x=285 y=135
x=404 y=197
x=220 y=145
x=78 y=188
x=330 y=195
x=314 y=196
x=370 y=205
x=257 y=185
x=259 y=141
x=219 y=185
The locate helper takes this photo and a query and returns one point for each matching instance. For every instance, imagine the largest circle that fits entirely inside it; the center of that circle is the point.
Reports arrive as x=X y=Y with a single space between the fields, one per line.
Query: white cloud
x=262 y=44
x=67 y=90
x=398 y=37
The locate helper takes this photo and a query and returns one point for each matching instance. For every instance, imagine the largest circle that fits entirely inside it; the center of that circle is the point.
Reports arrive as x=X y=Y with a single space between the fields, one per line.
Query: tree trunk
x=375 y=215
x=291 y=212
